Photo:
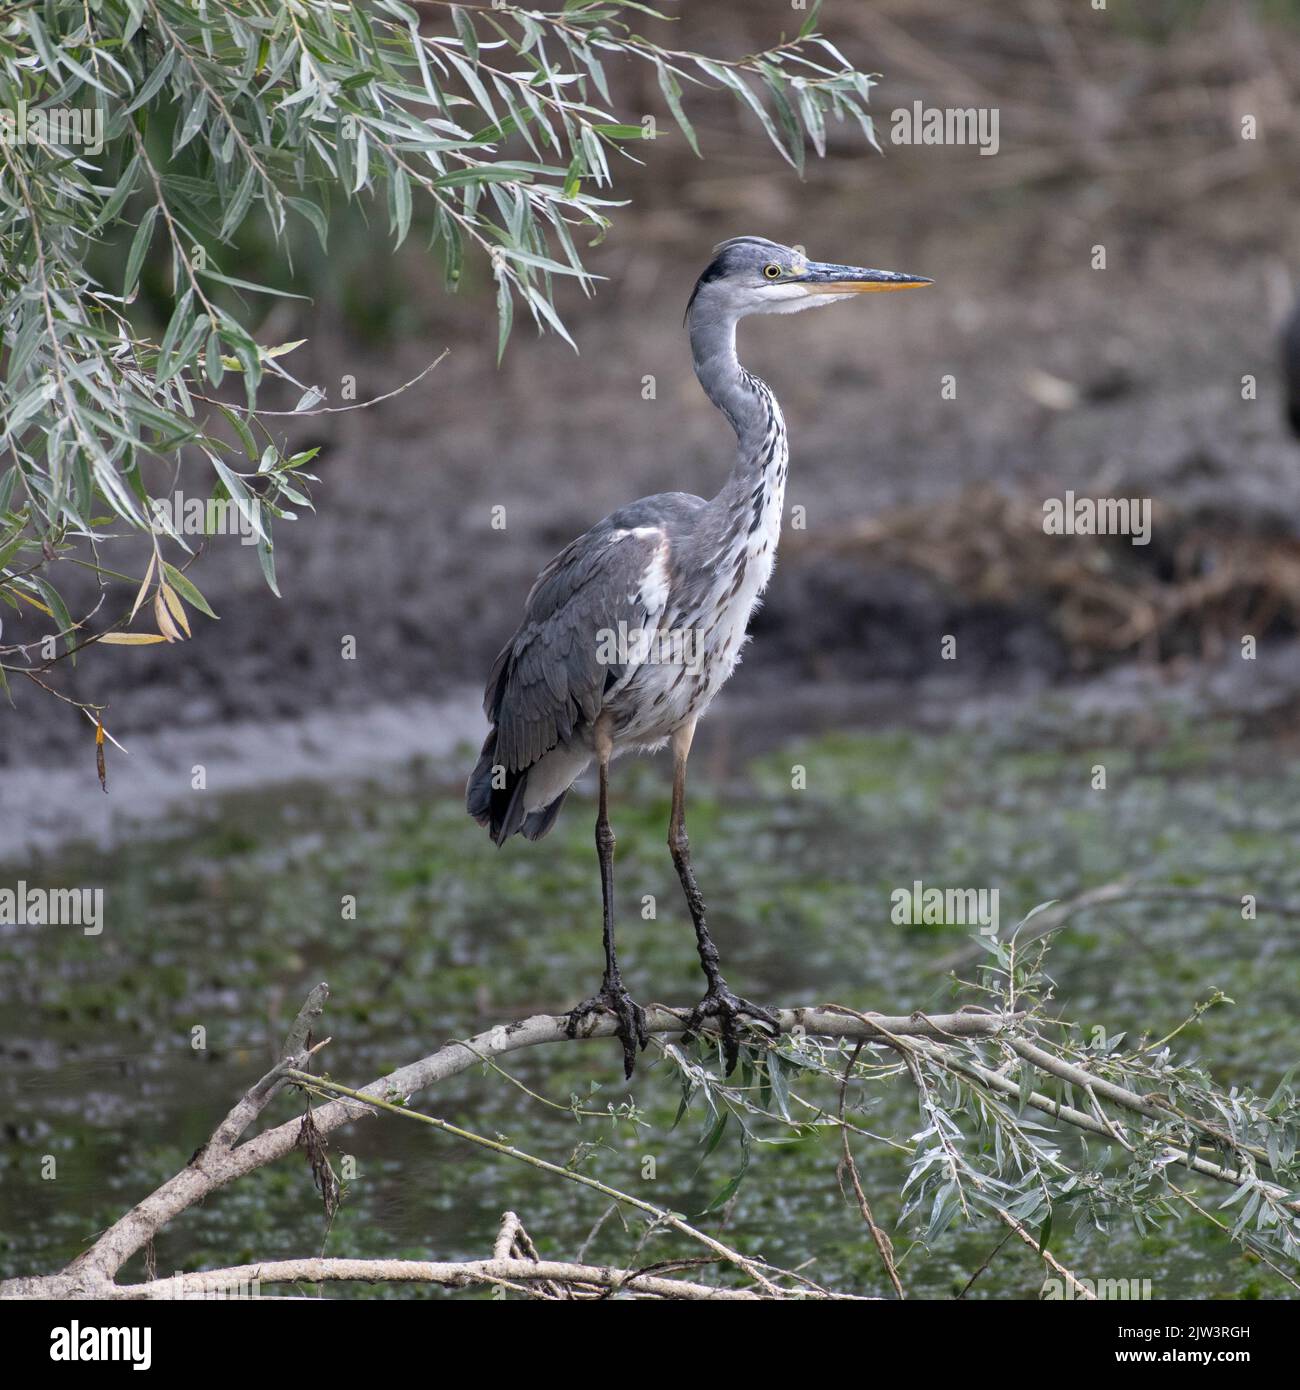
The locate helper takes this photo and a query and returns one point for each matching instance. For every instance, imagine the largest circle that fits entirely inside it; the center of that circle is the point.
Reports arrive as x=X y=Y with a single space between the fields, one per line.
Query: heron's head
x=751 y=275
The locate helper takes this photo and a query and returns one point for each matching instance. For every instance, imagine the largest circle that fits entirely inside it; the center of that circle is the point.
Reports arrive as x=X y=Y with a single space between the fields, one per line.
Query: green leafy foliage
x=155 y=130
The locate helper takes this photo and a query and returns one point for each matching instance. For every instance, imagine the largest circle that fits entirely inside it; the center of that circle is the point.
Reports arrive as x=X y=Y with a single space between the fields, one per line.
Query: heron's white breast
x=744 y=574
x=663 y=697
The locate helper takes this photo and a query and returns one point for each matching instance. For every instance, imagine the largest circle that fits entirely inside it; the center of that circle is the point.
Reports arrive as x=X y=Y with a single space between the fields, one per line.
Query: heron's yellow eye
x=772 y=270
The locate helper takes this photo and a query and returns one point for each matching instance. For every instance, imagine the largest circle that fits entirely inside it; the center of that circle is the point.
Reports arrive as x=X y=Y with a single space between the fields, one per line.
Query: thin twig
x=847 y=1166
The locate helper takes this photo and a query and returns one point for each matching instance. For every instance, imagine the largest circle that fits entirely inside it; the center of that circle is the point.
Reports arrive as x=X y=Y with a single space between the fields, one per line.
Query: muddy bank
x=173 y=779
x=1126 y=380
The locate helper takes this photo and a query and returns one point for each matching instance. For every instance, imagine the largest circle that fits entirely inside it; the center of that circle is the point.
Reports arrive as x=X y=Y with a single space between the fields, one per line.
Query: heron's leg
x=612 y=995
x=718 y=1002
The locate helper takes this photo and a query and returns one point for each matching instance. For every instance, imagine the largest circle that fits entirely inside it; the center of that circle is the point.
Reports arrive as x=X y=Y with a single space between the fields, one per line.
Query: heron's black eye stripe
x=772 y=270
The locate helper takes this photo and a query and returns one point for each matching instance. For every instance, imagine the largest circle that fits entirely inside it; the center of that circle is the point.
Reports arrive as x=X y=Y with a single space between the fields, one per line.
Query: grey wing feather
x=550 y=679
x=1291 y=367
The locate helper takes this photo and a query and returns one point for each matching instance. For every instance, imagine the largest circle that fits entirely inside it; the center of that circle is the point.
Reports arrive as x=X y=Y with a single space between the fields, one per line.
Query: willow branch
x=1080 y=1290
x=1080 y=1119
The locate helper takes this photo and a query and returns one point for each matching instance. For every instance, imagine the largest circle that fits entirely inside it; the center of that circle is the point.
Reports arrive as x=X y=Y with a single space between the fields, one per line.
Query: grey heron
x=1291 y=367
x=632 y=629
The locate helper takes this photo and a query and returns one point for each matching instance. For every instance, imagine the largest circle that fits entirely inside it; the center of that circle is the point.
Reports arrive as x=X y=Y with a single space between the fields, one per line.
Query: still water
x=122 y=1050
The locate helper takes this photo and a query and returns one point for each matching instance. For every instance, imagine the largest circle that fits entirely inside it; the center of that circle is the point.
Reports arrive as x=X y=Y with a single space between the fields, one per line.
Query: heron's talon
x=730 y=1009
x=632 y=1031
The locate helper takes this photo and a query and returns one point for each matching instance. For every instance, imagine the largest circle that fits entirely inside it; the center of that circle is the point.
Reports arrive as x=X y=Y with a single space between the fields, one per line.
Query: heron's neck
x=748 y=404
x=745 y=516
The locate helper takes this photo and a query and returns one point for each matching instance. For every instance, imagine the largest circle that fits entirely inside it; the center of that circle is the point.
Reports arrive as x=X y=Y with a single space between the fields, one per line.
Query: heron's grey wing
x=1291 y=367
x=553 y=674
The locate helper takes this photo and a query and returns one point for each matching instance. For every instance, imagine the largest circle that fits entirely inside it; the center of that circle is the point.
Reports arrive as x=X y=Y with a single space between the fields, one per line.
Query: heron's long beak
x=821 y=278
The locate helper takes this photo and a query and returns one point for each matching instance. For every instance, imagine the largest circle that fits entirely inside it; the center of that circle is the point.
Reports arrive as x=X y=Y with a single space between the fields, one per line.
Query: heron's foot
x=631 y=1031
x=730 y=1010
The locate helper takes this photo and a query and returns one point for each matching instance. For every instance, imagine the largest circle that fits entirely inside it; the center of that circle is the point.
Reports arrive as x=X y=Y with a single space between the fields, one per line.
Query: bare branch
x=577 y=1280
x=213 y=1167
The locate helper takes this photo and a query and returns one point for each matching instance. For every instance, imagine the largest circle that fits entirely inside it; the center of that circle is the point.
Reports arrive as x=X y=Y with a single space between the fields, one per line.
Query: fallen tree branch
x=296 y=1053
x=220 y=1162
x=576 y=1280
x=965 y=1045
